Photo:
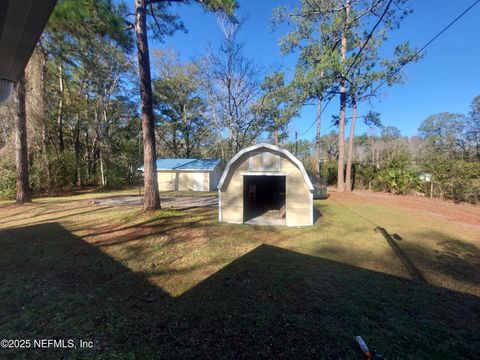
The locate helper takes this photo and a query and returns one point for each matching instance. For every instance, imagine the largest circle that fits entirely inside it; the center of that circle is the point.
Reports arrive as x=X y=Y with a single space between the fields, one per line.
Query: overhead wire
x=397 y=70
x=355 y=59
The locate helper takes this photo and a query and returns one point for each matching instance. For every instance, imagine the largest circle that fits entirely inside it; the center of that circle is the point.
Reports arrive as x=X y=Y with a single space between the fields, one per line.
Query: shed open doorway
x=264 y=199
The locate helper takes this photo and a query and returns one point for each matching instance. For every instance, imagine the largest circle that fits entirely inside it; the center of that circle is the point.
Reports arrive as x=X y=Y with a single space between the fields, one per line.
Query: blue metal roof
x=186 y=164
x=170 y=164
x=200 y=164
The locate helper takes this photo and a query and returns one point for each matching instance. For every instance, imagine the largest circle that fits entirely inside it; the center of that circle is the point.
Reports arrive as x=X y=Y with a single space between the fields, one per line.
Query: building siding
x=298 y=196
x=166 y=180
x=183 y=180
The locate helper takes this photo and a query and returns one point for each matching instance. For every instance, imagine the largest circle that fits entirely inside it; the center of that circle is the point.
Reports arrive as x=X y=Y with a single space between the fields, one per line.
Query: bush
x=329 y=171
x=8 y=181
x=364 y=176
x=397 y=176
x=461 y=181
x=397 y=181
x=115 y=177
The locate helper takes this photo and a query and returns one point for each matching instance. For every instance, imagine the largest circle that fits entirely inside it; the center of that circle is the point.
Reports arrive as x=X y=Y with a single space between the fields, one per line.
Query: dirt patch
x=462 y=213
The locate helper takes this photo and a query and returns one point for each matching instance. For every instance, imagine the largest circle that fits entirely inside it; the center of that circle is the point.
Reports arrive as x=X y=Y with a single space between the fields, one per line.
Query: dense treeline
x=81 y=116
x=94 y=113
x=442 y=160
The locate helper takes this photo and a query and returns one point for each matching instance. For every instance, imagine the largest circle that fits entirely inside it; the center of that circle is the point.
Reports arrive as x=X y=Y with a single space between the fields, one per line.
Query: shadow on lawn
x=453 y=257
x=460 y=259
x=269 y=303
x=110 y=236
x=41 y=213
x=412 y=269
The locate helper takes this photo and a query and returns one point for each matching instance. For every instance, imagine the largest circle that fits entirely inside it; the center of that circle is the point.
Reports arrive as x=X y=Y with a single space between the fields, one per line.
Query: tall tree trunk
x=21 y=147
x=44 y=122
x=174 y=140
x=348 y=180
x=87 y=158
x=46 y=160
x=317 y=138
x=219 y=136
x=275 y=137
x=61 y=143
x=186 y=132
x=373 y=147
x=102 y=171
x=343 y=103
x=152 y=197
x=76 y=142
x=341 y=140
x=105 y=148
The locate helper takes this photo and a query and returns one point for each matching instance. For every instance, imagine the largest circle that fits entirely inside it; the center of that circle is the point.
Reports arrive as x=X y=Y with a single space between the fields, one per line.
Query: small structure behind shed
x=267 y=185
x=188 y=174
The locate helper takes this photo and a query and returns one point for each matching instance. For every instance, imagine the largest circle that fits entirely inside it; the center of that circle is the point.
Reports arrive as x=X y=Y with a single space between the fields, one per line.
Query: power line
x=355 y=59
x=427 y=44
x=346 y=118
x=368 y=38
x=402 y=65
x=321 y=112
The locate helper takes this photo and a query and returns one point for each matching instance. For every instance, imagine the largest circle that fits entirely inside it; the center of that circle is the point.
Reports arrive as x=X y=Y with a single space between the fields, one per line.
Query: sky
x=446 y=79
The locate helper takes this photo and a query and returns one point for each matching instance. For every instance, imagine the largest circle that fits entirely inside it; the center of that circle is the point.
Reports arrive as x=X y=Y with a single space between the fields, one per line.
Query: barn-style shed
x=265 y=184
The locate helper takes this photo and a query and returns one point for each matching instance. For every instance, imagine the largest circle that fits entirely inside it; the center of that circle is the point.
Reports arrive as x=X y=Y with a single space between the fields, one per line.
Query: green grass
x=176 y=284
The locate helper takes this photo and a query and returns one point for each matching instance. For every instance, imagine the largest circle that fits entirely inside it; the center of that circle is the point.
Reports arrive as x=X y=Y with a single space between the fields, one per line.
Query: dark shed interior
x=263 y=196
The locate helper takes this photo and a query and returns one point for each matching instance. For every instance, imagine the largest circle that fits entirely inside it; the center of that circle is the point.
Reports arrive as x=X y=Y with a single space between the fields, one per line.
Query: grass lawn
x=177 y=284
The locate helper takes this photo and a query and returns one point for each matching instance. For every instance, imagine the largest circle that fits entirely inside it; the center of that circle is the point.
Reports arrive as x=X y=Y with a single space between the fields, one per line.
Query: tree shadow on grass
x=167 y=224
x=460 y=259
x=412 y=269
x=452 y=257
x=269 y=303
x=64 y=216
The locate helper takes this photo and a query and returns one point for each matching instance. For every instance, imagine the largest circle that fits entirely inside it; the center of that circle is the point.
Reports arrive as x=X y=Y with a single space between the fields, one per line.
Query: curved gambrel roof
x=287 y=153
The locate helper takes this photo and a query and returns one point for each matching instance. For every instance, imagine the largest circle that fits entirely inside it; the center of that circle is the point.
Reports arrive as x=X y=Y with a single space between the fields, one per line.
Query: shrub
x=397 y=176
x=329 y=171
x=8 y=179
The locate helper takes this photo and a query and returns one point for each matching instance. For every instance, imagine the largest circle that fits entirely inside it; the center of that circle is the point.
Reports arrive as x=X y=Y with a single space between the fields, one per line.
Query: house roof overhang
x=21 y=24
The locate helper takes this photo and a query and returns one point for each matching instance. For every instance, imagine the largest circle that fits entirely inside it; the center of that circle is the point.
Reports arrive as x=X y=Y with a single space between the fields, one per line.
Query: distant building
x=188 y=174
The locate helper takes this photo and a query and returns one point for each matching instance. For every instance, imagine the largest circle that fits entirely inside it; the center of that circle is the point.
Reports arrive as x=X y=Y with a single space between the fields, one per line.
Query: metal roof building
x=188 y=174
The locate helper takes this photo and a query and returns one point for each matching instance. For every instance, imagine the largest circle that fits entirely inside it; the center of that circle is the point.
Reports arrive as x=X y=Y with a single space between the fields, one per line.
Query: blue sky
x=446 y=79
